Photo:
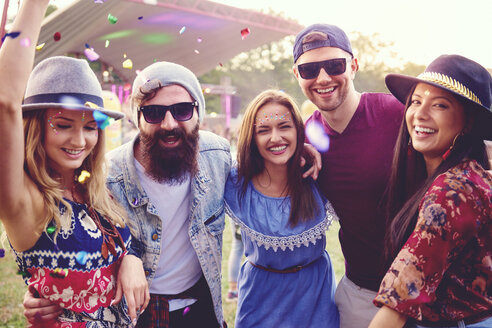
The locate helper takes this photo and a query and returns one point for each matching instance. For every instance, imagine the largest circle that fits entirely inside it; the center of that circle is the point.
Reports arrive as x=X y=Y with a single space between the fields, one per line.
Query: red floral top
x=444 y=270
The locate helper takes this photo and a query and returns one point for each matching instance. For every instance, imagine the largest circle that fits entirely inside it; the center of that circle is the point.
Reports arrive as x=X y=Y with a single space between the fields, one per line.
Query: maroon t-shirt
x=354 y=176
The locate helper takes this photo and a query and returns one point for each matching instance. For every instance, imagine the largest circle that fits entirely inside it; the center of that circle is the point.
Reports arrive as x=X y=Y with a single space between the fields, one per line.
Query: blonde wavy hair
x=37 y=168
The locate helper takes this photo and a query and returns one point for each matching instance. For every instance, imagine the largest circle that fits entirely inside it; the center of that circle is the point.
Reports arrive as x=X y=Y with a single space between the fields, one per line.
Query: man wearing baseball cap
x=362 y=129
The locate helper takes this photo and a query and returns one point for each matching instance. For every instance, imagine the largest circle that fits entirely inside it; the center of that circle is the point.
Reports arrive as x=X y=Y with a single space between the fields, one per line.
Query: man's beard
x=170 y=165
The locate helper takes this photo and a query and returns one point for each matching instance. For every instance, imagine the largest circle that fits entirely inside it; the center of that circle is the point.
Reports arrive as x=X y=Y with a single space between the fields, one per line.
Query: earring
x=448 y=152
x=409 y=147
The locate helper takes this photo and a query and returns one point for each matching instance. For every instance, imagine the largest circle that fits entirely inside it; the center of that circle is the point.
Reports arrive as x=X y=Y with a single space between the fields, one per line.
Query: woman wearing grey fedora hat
x=439 y=203
x=68 y=234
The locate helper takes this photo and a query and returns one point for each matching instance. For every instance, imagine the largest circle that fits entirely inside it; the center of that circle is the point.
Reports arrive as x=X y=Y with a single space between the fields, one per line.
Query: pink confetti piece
x=317 y=136
x=25 y=42
x=186 y=310
x=91 y=54
x=199 y=40
x=244 y=33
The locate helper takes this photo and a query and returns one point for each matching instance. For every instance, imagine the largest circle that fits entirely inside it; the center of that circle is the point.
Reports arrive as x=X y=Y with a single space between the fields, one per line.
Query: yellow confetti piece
x=91 y=105
x=84 y=175
x=128 y=64
x=40 y=46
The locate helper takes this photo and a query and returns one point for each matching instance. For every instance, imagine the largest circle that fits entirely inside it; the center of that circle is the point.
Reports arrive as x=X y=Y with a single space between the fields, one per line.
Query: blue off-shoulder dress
x=305 y=298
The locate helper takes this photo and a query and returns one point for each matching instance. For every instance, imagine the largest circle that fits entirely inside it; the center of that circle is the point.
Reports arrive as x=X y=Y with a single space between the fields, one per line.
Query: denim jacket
x=206 y=212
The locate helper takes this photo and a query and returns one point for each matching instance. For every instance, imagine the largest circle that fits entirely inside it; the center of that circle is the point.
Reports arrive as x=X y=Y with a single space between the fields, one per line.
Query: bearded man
x=171 y=178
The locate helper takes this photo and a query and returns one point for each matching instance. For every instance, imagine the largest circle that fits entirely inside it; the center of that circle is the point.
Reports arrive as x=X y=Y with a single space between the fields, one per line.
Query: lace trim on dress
x=309 y=236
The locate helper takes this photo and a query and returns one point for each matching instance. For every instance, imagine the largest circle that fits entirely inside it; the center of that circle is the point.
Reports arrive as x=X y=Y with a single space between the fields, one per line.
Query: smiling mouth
x=73 y=151
x=422 y=130
x=170 y=140
x=277 y=149
x=325 y=90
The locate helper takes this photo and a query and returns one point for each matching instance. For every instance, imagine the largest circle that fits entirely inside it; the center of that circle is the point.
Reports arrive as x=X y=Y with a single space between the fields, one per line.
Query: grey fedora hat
x=65 y=82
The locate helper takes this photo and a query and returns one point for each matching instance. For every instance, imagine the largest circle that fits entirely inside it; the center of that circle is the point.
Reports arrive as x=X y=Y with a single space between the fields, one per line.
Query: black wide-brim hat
x=65 y=82
x=459 y=75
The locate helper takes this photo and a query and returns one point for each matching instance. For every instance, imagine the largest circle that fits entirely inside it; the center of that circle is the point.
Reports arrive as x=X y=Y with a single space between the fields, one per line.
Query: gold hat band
x=449 y=83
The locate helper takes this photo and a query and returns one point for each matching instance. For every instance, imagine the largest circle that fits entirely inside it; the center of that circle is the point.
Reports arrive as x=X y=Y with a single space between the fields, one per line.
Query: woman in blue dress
x=287 y=279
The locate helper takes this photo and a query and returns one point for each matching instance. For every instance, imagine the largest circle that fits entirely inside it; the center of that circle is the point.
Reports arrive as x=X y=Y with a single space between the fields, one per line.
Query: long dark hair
x=250 y=163
x=409 y=182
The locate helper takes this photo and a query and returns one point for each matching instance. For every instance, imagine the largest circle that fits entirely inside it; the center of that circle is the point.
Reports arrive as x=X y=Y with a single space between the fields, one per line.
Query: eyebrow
x=70 y=120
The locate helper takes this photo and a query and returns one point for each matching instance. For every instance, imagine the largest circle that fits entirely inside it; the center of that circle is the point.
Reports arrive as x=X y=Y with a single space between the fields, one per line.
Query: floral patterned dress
x=74 y=274
x=443 y=273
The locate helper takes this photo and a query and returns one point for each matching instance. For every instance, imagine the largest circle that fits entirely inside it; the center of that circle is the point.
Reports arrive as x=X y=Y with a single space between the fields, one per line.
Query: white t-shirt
x=178 y=267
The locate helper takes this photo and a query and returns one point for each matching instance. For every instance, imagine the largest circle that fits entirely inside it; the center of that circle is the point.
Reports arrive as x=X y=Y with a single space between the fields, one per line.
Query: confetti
x=12 y=35
x=84 y=175
x=2 y=252
x=150 y=2
x=102 y=119
x=87 y=45
x=244 y=33
x=112 y=19
x=135 y=201
x=182 y=30
x=99 y=1
x=57 y=36
x=317 y=136
x=91 y=54
x=25 y=42
x=186 y=310
x=81 y=257
x=24 y=274
x=59 y=273
x=40 y=46
x=199 y=40
x=128 y=64
x=221 y=65
x=50 y=230
x=106 y=44
x=197 y=52
x=140 y=17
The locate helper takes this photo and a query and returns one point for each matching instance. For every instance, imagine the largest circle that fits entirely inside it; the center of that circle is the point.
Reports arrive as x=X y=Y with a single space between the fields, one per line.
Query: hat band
x=449 y=83
x=63 y=98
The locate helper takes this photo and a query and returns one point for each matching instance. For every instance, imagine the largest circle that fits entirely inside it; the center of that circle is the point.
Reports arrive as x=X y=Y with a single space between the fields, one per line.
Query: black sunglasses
x=154 y=114
x=335 y=66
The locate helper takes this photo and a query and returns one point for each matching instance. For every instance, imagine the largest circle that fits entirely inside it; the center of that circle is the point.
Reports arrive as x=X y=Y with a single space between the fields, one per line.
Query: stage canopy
x=198 y=34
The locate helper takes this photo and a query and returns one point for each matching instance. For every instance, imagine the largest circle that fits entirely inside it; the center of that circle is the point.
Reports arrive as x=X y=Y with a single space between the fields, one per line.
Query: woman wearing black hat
x=67 y=232
x=439 y=206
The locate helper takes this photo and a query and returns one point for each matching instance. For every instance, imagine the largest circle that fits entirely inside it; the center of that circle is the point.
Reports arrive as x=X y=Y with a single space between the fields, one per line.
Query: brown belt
x=293 y=269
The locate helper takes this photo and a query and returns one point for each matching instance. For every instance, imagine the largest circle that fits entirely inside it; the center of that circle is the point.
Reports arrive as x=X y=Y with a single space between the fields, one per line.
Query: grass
x=12 y=287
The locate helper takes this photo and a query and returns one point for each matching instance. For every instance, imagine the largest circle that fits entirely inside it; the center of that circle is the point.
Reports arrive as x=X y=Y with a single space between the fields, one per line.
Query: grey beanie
x=166 y=73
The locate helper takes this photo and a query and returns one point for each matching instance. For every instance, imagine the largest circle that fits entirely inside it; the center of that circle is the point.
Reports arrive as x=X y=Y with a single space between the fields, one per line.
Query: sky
x=420 y=30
